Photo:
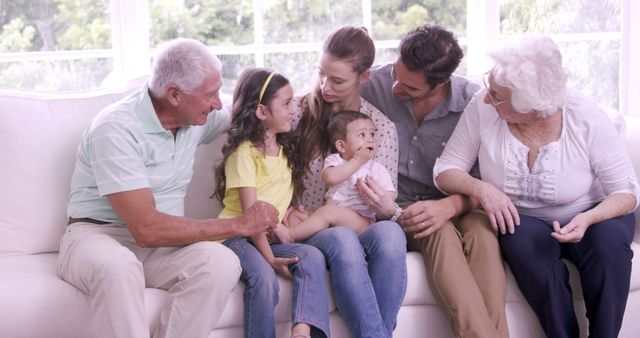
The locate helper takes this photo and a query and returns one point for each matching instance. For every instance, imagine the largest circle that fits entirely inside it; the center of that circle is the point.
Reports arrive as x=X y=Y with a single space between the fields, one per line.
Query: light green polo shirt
x=126 y=148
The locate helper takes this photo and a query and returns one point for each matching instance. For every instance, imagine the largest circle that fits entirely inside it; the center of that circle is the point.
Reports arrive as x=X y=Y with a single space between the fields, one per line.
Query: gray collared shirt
x=419 y=145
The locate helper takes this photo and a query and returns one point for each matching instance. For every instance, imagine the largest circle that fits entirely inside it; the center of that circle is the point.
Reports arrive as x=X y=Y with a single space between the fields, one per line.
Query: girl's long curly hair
x=245 y=126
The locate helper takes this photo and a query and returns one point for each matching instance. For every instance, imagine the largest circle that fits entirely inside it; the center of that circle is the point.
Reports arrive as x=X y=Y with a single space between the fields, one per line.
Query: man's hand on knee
x=423 y=218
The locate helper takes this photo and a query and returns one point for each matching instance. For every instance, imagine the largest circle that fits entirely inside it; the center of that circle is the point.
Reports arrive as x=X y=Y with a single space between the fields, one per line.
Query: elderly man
x=126 y=226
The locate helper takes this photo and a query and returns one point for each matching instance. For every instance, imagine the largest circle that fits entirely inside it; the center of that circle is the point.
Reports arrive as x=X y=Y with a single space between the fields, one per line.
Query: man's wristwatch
x=397 y=214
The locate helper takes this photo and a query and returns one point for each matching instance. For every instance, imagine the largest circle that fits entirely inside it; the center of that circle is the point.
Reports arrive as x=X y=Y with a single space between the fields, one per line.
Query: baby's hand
x=364 y=154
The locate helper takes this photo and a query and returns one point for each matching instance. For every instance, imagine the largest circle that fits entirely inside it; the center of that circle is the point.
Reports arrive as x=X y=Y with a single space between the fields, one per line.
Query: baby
x=352 y=136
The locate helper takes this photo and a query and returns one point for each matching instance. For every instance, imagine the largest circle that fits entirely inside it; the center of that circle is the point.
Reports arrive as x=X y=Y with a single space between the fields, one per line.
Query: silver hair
x=184 y=63
x=531 y=68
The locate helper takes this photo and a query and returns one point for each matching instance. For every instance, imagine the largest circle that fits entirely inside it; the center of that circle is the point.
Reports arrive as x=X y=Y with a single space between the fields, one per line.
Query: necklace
x=528 y=139
x=540 y=131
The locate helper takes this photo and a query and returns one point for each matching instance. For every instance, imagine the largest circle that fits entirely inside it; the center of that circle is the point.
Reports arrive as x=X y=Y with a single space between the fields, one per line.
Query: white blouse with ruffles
x=588 y=162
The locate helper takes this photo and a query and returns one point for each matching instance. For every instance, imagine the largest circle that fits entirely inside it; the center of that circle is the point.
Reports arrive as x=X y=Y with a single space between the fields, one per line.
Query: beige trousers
x=104 y=262
x=467 y=277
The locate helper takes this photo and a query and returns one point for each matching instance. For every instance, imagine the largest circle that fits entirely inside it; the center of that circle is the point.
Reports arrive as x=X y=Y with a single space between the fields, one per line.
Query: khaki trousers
x=104 y=262
x=467 y=277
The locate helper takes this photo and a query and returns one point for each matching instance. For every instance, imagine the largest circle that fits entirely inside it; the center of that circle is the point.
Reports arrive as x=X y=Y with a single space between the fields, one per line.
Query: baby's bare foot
x=282 y=234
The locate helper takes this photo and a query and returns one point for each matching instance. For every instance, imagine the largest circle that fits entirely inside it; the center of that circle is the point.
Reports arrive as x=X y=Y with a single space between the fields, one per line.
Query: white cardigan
x=588 y=162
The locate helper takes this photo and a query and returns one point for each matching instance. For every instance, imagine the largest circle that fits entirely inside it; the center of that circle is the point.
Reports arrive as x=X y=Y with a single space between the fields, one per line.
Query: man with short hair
x=127 y=229
x=422 y=96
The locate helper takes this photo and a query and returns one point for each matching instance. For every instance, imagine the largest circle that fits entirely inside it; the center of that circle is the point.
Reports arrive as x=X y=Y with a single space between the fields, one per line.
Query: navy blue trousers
x=603 y=258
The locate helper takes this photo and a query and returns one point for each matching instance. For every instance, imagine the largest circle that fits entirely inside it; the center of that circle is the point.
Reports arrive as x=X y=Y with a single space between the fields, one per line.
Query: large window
x=287 y=34
x=55 y=45
x=587 y=33
x=79 y=45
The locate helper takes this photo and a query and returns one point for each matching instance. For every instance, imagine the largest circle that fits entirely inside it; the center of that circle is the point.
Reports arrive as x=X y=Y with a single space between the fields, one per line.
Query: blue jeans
x=310 y=300
x=368 y=275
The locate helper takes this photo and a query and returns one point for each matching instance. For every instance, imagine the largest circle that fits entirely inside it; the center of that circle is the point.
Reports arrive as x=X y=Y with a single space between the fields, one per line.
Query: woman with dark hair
x=368 y=270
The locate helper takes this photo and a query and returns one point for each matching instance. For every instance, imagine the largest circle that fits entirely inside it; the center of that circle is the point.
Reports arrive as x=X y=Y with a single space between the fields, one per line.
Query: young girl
x=260 y=164
x=352 y=135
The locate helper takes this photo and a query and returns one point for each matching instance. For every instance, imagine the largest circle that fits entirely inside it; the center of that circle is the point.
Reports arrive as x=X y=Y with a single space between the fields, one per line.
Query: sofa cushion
x=419 y=291
x=41 y=302
x=632 y=141
x=36 y=303
x=38 y=141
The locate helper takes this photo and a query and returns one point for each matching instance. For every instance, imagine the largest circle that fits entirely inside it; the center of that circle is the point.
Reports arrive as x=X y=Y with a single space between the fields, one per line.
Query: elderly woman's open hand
x=573 y=231
x=498 y=206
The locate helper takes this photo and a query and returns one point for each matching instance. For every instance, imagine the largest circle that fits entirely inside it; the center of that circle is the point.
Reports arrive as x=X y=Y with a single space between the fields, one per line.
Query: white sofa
x=38 y=139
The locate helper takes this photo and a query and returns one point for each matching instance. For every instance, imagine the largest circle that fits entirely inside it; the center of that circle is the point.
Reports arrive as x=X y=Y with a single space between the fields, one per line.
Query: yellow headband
x=264 y=86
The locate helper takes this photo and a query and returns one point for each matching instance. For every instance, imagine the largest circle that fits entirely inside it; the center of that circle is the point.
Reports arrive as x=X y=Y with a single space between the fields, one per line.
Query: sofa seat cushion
x=419 y=290
x=233 y=312
x=36 y=302
x=31 y=286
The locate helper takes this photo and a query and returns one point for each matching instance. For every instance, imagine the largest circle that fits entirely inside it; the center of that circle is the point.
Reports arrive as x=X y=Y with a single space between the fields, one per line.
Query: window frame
x=130 y=24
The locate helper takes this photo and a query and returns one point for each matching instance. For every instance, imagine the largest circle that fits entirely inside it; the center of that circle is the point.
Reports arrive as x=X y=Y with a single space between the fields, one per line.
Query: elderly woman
x=553 y=165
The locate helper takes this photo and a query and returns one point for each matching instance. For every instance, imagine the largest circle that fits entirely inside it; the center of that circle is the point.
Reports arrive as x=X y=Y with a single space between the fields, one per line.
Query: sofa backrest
x=38 y=140
x=632 y=140
x=198 y=203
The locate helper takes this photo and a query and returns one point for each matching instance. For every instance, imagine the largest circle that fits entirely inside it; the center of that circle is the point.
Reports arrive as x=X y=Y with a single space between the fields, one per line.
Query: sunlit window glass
x=57 y=46
x=587 y=33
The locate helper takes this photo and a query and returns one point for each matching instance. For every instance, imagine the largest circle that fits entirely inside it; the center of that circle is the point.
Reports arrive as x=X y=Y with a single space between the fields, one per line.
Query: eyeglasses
x=494 y=101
